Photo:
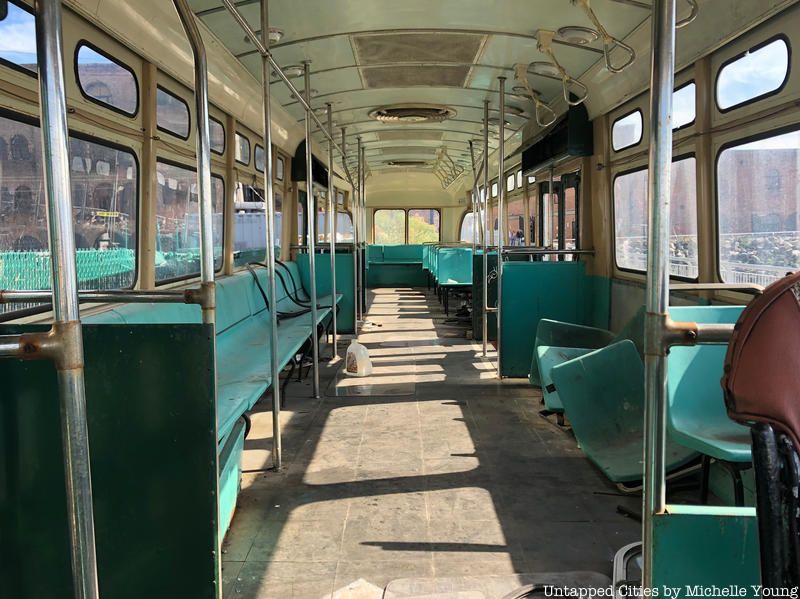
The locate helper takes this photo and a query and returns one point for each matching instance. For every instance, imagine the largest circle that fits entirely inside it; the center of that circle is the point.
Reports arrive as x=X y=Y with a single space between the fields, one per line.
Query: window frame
x=780 y=36
x=405 y=224
x=71 y=133
x=255 y=158
x=178 y=164
x=14 y=66
x=188 y=114
x=675 y=91
x=83 y=42
x=625 y=116
x=236 y=136
x=224 y=136
x=644 y=167
x=725 y=146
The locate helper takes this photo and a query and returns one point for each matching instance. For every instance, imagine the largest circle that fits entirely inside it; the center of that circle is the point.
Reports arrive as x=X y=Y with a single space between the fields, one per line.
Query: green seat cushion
x=697 y=417
x=565 y=334
x=549 y=357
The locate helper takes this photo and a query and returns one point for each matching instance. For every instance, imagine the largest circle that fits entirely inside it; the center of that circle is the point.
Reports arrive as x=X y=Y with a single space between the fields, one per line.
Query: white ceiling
x=499 y=34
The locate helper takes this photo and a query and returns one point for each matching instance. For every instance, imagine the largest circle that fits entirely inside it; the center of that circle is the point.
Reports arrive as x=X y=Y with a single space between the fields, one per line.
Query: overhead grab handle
x=682 y=23
x=610 y=43
x=554 y=70
x=521 y=75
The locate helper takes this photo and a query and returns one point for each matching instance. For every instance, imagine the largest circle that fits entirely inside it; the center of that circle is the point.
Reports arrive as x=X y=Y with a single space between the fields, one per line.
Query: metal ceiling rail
x=304 y=101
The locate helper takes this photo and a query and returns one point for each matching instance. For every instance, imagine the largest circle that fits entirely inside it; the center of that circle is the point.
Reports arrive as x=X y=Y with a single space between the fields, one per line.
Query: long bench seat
x=242 y=353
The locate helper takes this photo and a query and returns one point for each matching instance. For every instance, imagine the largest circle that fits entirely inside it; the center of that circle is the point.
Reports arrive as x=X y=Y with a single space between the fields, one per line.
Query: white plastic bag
x=357 y=362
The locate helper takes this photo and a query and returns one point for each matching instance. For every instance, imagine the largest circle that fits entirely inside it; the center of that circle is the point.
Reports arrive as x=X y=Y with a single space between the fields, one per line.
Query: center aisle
x=431 y=467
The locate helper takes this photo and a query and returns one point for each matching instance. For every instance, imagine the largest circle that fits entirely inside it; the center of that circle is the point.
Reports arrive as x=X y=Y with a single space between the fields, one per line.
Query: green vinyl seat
x=602 y=393
x=566 y=334
x=549 y=357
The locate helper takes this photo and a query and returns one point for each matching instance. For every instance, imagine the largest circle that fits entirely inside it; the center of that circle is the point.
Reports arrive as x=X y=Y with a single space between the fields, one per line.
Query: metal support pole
x=355 y=238
x=203 y=149
x=203 y=157
x=662 y=81
x=474 y=198
x=311 y=220
x=487 y=215
x=360 y=236
x=67 y=326
x=365 y=235
x=501 y=222
x=549 y=206
x=332 y=230
x=275 y=370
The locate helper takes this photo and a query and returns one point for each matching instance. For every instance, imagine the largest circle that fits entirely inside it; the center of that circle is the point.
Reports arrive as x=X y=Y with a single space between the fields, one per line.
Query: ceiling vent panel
x=412 y=113
x=411 y=136
x=415 y=76
x=386 y=48
x=405 y=151
x=407 y=163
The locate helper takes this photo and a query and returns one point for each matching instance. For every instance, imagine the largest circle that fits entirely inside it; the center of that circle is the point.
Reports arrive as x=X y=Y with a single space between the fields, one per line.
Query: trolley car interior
x=543 y=220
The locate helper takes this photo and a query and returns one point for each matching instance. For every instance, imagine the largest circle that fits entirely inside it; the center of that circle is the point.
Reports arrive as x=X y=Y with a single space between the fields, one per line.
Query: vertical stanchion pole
x=332 y=230
x=501 y=228
x=203 y=149
x=365 y=236
x=67 y=325
x=361 y=233
x=487 y=215
x=311 y=219
x=355 y=238
x=274 y=364
x=474 y=198
x=662 y=82
x=549 y=205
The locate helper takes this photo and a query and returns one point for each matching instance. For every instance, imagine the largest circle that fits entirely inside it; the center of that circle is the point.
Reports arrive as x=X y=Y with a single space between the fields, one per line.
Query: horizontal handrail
x=751 y=287
x=185 y=296
x=534 y=251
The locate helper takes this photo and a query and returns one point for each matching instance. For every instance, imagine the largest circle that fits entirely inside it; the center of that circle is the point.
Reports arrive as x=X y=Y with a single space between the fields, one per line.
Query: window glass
x=519 y=178
x=755 y=74
x=683 y=106
x=107 y=81
x=467 y=231
x=515 y=228
x=172 y=113
x=260 y=160
x=627 y=131
x=389 y=227
x=510 y=180
x=279 y=168
x=570 y=218
x=630 y=219
x=104 y=197
x=494 y=189
x=340 y=198
x=18 y=38
x=301 y=218
x=217 y=134
x=423 y=225
x=758 y=203
x=178 y=222
x=242 y=149
x=344 y=226
x=531 y=179
x=533 y=210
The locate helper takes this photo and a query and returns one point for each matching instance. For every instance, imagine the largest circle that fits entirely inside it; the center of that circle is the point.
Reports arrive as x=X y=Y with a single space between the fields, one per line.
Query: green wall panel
x=150 y=404
x=477 y=296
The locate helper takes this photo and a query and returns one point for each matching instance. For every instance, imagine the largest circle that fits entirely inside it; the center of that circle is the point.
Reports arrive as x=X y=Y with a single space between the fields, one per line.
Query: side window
x=105 y=208
x=757 y=206
x=260 y=162
x=344 y=226
x=172 y=113
x=510 y=181
x=423 y=225
x=515 y=225
x=178 y=218
x=18 y=39
x=389 y=226
x=684 y=107
x=626 y=131
x=106 y=81
x=630 y=219
x=467 y=233
x=242 y=149
x=760 y=72
x=280 y=166
x=217 y=135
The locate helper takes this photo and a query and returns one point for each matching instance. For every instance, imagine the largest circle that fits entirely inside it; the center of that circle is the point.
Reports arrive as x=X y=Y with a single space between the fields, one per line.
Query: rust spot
x=29 y=348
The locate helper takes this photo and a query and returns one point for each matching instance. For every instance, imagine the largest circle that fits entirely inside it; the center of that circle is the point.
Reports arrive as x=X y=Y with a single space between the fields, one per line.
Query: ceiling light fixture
x=292 y=71
x=575 y=34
